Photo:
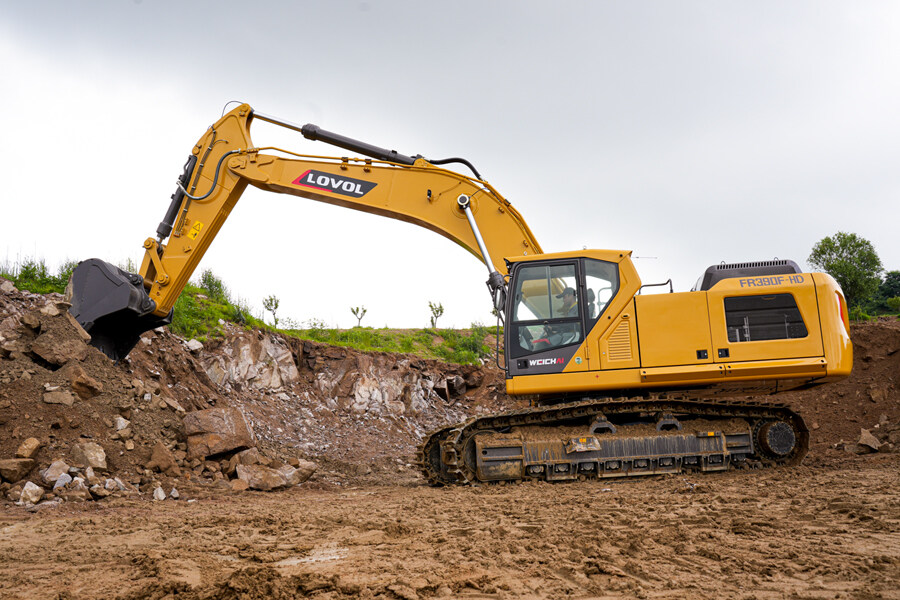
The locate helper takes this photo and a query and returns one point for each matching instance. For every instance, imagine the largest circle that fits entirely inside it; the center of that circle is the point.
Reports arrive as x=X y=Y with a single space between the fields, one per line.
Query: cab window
x=601 y=282
x=547 y=308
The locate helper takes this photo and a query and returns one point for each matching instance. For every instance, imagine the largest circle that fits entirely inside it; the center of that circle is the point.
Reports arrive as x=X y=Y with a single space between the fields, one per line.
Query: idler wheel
x=777 y=438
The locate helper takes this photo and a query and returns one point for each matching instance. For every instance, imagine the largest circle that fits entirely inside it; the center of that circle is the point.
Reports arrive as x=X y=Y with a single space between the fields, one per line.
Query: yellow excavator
x=621 y=383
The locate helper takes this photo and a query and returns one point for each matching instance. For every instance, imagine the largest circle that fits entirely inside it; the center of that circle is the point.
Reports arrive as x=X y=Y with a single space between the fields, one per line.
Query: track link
x=613 y=437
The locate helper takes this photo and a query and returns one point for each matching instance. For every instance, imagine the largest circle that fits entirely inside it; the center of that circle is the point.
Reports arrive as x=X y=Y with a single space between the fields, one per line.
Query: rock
x=456 y=385
x=77 y=492
x=262 y=478
x=129 y=445
x=59 y=397
x=174 y=495
x=306 y=468
x=194 y=346
x=31 y=321
x=216 y=430
x=296 y=476
x=31 y=493
x=162 y=460
x=474 y=379
x=28 y=448
x=14 y=494
x=867 y=441
x=57 y=348
x=99 y=492
x=159 y=494
x=8 y=288
x=52 y=473
x=250 y=456
x=84 y=385
x=62 y=481
x=173 y=404
x=89 y=454
x=15 y=469
x=121 y=423
x=239 y=485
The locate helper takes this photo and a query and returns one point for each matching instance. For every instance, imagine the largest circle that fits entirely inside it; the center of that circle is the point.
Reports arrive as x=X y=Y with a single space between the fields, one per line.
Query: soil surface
x=365 y=525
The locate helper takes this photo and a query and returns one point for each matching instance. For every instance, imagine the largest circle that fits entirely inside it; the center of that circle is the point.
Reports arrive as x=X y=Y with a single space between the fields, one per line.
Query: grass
x=204 y=305
x=449 y=345
x=34 y=276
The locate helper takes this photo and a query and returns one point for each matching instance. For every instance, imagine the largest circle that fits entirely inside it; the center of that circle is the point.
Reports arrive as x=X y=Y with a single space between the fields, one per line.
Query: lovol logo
x=543 y=362
x=326 y=182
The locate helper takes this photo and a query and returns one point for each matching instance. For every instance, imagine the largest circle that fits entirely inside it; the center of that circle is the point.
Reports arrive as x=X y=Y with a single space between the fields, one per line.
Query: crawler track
x=614 y=437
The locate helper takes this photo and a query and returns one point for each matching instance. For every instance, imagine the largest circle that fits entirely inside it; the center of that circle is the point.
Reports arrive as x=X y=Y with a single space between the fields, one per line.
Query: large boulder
x=15 y=469
x=89 y=454
x=216 y=430
x=262 y=478
x=162 y=460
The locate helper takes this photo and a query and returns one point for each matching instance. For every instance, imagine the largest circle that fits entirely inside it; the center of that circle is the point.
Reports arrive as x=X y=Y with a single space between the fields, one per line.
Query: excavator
x=620 y=383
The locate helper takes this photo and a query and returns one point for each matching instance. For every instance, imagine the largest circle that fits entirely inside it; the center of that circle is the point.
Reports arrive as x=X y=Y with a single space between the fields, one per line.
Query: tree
x=852 y=261
x=889 y=288
x=271 y=304
x=436 y=311
x=359 y=312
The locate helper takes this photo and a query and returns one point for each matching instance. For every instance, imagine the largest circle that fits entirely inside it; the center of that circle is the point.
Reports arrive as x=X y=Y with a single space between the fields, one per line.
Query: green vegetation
x=450 y=345
x=199 y=309
x=852 y=261
x=855 y=265
x=34 y=276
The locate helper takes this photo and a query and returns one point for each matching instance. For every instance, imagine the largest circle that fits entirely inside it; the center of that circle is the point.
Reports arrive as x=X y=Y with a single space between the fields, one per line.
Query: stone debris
x=216 y=430
x=28 y=448
x=194 y=346
x=15 y=469
x=89 y=454
x=159 y=494
x=31 y=493
x=174 y=495
x=85 y=386
x=62 y=481
x=59 y=397
x=162 y=460
x=52 y=473
x=867 y=442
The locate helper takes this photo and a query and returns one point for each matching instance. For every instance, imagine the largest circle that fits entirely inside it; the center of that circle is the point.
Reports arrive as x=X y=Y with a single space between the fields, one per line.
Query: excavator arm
x=115 y=306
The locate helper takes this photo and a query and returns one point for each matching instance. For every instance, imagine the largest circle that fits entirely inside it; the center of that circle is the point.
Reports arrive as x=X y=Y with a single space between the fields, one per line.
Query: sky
x=689 y=132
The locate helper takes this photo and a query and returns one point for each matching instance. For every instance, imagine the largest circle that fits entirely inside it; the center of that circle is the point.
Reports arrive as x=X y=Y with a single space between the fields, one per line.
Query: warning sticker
x=195 y=230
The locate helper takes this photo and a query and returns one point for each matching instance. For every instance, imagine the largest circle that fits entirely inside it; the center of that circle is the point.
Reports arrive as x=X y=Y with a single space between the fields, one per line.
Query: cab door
x=545 y=328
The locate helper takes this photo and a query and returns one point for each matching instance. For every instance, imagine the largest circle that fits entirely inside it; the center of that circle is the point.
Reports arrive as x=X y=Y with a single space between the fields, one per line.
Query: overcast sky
x=689 y=132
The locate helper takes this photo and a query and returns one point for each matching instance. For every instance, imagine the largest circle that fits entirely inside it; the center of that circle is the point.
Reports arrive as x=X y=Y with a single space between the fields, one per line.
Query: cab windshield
x=551 y=303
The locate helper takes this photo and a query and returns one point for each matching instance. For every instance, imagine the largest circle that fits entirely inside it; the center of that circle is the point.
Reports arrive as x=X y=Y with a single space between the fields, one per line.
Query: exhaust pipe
x=112 y=306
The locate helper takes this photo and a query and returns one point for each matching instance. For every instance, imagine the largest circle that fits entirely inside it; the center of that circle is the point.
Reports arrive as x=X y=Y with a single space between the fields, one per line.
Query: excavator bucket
x=112 y=306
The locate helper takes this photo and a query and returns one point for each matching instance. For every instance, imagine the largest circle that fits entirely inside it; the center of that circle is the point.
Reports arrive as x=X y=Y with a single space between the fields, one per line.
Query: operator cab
x=552 y=306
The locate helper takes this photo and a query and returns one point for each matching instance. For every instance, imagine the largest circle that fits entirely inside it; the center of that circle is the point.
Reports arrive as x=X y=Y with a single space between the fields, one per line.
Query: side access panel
x=674 y=329
x=774 y=317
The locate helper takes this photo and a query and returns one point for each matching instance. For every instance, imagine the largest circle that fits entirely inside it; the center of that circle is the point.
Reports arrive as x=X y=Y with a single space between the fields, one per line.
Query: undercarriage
x=614 y=437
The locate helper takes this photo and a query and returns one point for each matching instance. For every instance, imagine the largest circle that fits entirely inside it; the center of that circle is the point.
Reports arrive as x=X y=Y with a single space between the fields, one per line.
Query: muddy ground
x=829 y=530
x=366 y=526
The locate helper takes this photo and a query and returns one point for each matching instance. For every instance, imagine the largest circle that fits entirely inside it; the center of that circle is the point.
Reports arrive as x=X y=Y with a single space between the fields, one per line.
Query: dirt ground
x=829 y=530
x=365 y=525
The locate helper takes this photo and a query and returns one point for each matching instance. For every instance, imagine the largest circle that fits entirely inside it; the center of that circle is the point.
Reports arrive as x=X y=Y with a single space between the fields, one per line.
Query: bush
x=34 y=276
x=894 y=303
x=214 y=287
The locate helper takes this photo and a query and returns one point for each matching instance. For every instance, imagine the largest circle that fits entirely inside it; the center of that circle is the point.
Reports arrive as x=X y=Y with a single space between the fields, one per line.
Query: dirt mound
x=869 y=399
x=359 y=415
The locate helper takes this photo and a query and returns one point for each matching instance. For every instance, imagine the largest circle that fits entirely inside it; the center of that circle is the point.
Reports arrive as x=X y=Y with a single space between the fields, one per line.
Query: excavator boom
x=115 y=307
